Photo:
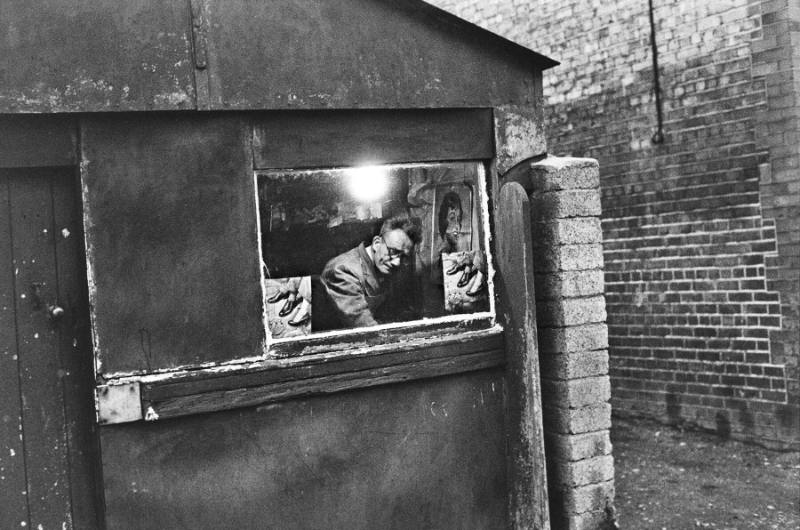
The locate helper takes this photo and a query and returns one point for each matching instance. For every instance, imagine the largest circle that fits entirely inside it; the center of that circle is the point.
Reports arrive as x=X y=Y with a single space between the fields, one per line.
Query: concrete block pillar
x=573 y=340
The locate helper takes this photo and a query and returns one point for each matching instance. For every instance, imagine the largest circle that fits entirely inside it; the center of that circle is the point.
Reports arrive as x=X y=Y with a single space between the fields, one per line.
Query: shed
x=169 y=168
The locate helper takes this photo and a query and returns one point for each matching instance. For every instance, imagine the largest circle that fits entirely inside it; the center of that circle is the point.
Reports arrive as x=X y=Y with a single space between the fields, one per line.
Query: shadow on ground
x=675 y=480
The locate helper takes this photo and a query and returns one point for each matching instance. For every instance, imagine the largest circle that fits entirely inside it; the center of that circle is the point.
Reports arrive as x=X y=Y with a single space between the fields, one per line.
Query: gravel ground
x=675 y=480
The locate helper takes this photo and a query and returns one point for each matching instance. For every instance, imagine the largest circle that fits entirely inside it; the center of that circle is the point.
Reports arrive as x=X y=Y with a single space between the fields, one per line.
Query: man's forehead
x=398 y=238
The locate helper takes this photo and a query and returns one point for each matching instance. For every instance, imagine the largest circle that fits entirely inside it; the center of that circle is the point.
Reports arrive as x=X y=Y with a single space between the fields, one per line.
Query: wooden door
x=48 y=443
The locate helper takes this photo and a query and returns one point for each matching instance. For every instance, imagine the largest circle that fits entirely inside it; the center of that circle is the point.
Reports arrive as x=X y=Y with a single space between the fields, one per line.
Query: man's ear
x=375 y=241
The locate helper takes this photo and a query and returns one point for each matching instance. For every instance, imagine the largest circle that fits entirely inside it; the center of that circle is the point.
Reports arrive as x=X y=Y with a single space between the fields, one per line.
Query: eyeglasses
x=395 y=253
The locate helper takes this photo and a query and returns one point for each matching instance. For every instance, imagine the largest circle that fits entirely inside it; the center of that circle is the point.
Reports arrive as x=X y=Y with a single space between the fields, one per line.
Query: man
x=369 y=285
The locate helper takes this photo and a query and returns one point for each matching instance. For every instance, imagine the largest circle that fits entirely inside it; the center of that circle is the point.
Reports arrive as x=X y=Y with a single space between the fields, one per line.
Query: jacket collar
x=372 y=276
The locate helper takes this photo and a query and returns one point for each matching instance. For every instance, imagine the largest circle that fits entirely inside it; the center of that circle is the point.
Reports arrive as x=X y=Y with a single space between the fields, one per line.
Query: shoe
x=452 y=270
x=466 y=277
x=479 y=290
x=276 y=297
x=288 y=306
x=297 y=323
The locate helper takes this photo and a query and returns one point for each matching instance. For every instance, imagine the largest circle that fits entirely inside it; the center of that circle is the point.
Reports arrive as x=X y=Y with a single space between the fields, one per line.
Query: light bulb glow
x=368 y=183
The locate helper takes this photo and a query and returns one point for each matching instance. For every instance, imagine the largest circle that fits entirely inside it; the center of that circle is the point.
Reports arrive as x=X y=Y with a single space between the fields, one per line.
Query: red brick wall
x=701 y=233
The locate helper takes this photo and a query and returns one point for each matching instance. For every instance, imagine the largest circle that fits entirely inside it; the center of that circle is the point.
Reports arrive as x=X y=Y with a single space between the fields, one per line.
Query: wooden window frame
x=396 y=332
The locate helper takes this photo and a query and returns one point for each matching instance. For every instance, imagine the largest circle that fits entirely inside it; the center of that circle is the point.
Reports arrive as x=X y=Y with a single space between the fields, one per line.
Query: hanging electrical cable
x=658 y=137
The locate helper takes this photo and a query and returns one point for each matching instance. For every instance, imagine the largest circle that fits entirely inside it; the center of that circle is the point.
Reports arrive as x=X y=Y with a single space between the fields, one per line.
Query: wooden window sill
x=355 y=365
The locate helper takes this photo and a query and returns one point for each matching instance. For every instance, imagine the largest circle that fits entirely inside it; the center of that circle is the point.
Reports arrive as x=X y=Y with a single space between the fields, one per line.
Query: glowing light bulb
x=368 y=183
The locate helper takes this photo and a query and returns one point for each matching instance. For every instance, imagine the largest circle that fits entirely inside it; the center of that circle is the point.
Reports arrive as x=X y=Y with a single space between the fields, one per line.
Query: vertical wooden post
x=528 y=506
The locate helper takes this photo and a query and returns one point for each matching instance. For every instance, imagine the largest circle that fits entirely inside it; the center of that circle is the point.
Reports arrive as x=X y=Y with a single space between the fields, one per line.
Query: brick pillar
x=573 y=341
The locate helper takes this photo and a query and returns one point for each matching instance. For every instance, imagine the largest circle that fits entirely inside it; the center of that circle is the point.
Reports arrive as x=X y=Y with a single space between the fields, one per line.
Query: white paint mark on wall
x=88 y=228
x=12 y=452
x=173 y=100
x=65 y=232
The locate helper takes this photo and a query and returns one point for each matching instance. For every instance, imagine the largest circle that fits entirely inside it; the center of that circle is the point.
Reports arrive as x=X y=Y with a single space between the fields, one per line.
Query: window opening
x=359 y=247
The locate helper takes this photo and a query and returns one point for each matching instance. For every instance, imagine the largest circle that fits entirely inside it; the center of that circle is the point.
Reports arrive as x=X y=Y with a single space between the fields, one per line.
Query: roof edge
x=543 y=61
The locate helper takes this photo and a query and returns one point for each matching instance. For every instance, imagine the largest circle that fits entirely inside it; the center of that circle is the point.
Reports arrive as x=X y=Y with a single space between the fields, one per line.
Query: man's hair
x=451 y=200
x=406 y=223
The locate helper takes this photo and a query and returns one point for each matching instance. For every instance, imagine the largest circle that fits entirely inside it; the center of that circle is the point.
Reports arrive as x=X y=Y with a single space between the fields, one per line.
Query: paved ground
x=674 y=480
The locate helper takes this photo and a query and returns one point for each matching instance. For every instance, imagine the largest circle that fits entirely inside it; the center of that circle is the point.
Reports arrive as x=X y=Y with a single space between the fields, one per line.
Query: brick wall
x=701 y=235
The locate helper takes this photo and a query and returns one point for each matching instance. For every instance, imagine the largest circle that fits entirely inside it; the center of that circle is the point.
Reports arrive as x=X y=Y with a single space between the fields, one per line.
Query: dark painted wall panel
x=38 y=141
x=317 y=54
x=425 y=454
x=328 y=139
x=172 y=240
x=86 y=55
x=71 y=55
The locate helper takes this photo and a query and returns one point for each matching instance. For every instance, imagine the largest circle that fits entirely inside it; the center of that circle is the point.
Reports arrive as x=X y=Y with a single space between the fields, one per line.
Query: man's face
x=391 y=250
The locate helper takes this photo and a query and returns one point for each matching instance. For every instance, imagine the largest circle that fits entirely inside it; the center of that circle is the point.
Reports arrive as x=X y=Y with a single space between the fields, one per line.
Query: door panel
x=12 y=469
x=44 y=440
x=48 y=439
